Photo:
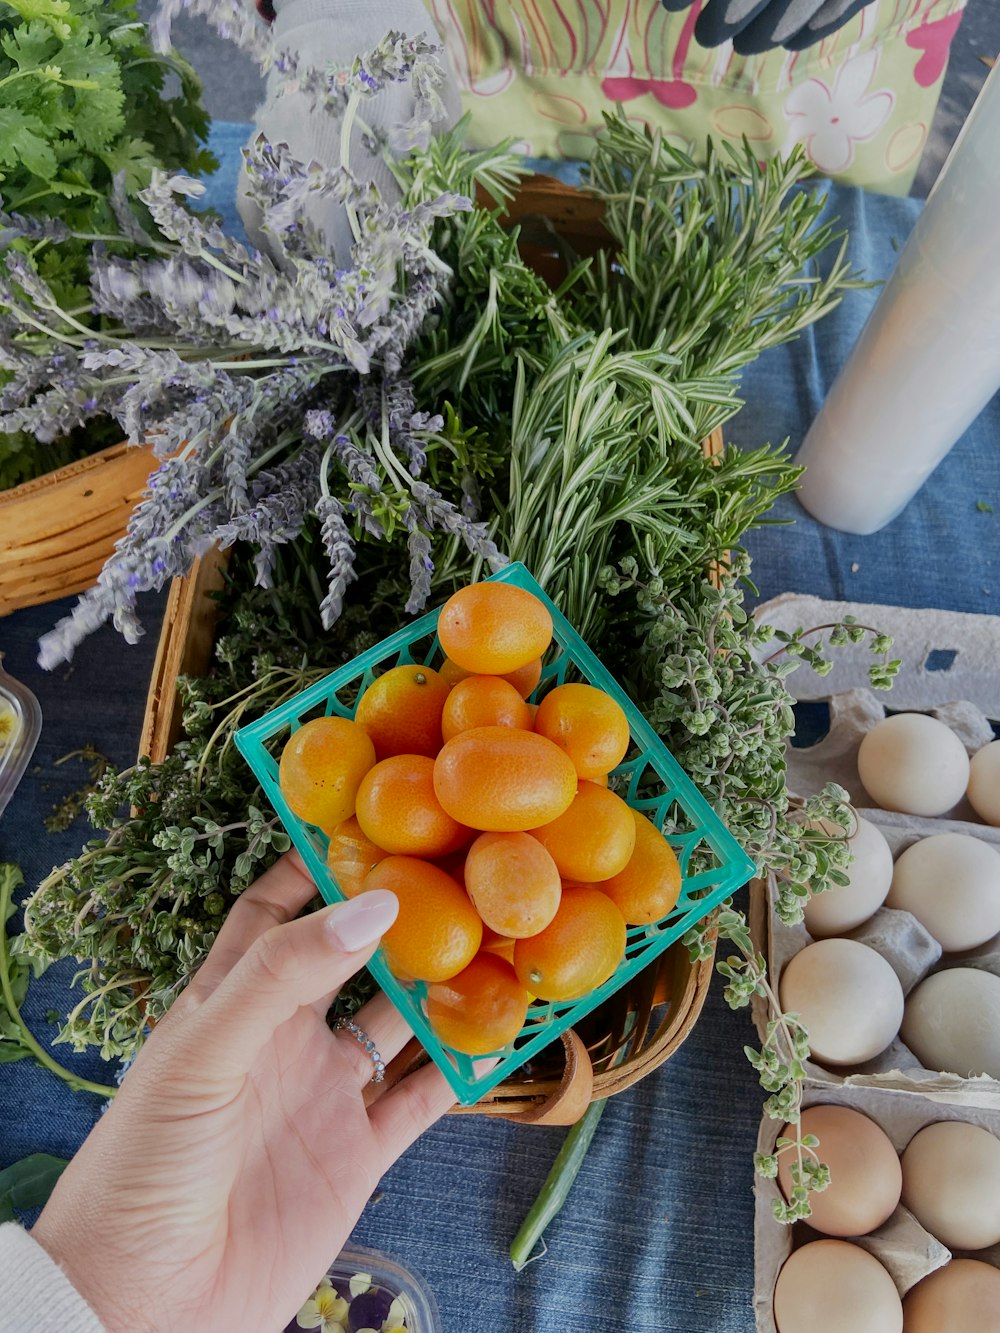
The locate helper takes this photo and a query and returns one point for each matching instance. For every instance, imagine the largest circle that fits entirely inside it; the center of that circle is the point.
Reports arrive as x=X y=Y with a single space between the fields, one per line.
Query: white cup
x=928 y=359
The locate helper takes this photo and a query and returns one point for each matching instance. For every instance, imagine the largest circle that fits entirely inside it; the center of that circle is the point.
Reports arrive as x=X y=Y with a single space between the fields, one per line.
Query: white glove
x=321 y=34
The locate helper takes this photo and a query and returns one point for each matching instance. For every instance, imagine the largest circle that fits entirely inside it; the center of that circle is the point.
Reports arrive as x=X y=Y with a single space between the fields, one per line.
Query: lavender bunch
x=272 y=387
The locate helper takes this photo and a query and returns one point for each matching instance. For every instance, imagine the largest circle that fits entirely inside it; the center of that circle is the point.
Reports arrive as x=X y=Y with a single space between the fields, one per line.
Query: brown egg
x=951 y=1183
x=831 y=1286
x=962 y=1297
x=865 y=1175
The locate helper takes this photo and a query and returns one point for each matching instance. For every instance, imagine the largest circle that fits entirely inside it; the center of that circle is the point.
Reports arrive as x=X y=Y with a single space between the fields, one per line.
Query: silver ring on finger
x=365 y=1042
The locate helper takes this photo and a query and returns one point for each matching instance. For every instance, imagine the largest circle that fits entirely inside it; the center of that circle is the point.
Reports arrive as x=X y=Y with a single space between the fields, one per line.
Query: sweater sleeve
x=34 y=1291
x=330 y=33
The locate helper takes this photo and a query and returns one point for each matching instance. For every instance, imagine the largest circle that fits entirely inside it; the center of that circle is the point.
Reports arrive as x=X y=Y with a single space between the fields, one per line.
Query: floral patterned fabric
x=860 y=102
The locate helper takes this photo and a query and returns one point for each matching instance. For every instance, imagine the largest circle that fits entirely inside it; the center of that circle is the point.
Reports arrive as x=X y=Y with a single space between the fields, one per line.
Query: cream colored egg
x=961 y=1297
x=831 y=1286
x=952 y=1022
x=843 y=906
x=865 y=1175
x=913 y=763
x=848 y=997
x=951 y=884
x=984 y=783
x=951 y=1183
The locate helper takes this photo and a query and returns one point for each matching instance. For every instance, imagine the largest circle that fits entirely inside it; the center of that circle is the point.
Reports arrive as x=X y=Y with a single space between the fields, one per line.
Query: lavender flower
x=442 y=514
x=282 y=500
x=336 y=539
x=421 y=567
x=128 y=224
x=237 y=455
x=394 y=403
x=18 y=227
x=394 y=61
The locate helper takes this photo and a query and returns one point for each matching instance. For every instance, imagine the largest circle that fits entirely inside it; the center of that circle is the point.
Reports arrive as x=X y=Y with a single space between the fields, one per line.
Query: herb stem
x=77 y=1083
x=346 y=129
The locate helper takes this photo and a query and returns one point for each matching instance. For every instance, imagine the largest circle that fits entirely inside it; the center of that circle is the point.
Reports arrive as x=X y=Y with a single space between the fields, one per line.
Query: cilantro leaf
x=23 y=142
x=134 y=157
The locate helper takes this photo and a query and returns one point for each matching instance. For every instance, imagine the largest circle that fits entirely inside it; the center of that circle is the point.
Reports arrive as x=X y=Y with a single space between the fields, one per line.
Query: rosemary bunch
x=606 y=461
x=720 y=259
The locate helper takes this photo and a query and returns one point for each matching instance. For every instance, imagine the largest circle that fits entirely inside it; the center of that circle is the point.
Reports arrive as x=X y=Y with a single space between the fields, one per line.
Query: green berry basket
x=712 y=863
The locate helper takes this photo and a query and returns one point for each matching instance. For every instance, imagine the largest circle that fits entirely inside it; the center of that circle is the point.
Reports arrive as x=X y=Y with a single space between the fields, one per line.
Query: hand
x=237 y=1157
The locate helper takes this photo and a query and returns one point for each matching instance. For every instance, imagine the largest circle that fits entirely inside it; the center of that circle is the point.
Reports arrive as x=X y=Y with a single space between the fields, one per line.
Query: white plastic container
x=20 y=724
x=372 y=1284
x=928 y=360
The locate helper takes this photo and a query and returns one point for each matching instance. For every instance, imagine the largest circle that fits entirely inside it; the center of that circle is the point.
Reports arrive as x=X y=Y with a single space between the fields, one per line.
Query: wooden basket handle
x=563 y=1106
x=574 y=1094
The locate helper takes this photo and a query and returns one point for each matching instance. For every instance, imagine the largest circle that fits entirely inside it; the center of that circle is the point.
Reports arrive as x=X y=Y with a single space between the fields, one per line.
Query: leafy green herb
x=141 y=905
x=74 y=803
x=983 y=507
x=724 y=710
x=16 y=1040
x=807 y=1173
x=28 y=1183
x=715 y=261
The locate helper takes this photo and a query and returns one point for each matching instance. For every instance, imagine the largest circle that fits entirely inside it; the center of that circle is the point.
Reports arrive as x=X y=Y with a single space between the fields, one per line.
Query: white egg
x=848 y=997
x=951 y=1183
x=831 y=1286
x=961 y=1297
x=951 y=883
x=984 y=783
x=865 y=1176
x=843 y=906
x=913 y=763
x=952 y=1022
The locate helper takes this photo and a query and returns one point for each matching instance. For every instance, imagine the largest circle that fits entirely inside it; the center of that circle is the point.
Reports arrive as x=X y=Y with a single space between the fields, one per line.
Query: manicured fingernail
x=363 y=920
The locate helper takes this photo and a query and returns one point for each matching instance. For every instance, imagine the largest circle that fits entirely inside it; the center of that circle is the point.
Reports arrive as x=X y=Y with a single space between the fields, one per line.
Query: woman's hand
x=235 y=1161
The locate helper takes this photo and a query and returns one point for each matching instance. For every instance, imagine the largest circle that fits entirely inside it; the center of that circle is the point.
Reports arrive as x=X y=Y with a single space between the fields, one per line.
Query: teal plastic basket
x=713 y=865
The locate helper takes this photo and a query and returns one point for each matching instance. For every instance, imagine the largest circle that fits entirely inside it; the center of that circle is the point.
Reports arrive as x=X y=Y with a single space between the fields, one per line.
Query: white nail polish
x=363 y=920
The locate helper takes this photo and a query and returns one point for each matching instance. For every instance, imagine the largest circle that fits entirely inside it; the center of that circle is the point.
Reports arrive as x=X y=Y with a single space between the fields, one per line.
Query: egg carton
x=905 y=1248
x=948 y=671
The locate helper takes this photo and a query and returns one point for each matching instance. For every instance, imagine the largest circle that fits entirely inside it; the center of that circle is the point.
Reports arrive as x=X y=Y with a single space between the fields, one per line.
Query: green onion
x=558 y=1184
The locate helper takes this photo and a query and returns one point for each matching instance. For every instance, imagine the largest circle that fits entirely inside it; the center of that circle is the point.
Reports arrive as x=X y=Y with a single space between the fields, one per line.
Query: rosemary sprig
x=718 y=258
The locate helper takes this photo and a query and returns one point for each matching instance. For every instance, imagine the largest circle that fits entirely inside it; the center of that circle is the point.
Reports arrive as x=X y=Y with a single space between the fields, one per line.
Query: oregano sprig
x=722 y=706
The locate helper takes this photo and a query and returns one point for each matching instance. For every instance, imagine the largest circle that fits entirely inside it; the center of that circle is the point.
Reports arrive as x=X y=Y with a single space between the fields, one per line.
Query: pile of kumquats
x=516 y=868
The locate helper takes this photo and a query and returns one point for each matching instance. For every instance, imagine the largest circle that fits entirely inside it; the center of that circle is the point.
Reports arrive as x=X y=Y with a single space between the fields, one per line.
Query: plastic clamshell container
x=419 y=1306
x=20 y=724
x=713 y=865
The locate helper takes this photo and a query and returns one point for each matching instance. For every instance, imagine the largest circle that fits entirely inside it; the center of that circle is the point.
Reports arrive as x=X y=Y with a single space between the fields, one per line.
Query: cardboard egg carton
x=901 y=1244
x=949 y=670
x=971 y=645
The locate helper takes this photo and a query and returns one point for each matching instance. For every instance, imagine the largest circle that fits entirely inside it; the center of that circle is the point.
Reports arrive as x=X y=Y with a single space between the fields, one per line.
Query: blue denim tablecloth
x=658 y=1232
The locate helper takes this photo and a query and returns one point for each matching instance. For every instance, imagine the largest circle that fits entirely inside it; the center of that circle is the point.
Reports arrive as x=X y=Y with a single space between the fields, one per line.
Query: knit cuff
x=34 y=1291
x=359 y=24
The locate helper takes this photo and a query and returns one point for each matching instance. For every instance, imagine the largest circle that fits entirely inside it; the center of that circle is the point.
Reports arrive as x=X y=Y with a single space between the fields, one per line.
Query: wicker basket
x=57 y=531
x=653 y=1015
x=661 y=1005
